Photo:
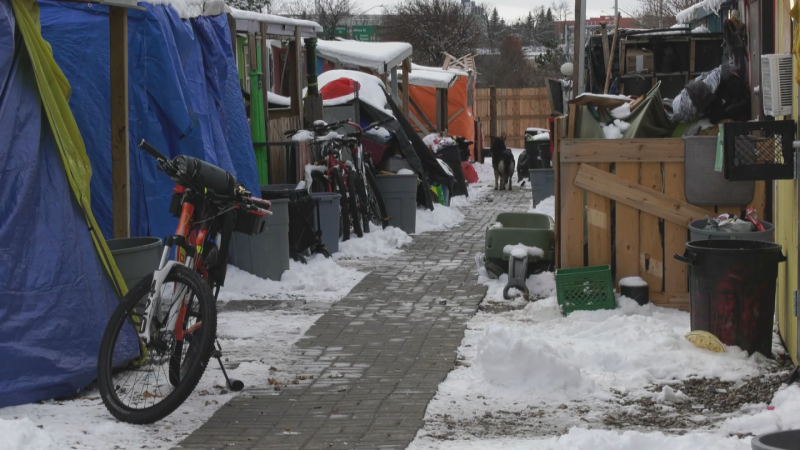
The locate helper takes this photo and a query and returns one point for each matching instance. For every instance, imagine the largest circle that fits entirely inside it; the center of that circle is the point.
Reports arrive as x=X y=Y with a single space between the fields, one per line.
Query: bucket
x=699 y=234
x=779 y=440
x=136 y=257
x=265 y=255
x=732 y=290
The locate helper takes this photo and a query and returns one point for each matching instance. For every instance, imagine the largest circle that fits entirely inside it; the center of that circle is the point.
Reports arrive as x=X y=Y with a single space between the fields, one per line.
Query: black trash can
x=452 y=157
x=732 y=290
x=532 y=152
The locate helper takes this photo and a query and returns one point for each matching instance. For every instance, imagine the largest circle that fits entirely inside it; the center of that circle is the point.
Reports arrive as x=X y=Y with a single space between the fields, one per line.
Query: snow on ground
x=441 y=218
x=551 y=381
x=322 y=280
x=378 y=243
x=546 y=206
x=258 y=341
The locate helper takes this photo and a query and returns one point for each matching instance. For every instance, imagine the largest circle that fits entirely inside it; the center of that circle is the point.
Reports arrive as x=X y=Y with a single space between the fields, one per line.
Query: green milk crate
x=585 y=289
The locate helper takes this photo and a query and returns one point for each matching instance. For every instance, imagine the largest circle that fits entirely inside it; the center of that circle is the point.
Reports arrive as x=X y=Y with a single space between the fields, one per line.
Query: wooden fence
x=278 y=154
x=645 y=179
x=515 y=110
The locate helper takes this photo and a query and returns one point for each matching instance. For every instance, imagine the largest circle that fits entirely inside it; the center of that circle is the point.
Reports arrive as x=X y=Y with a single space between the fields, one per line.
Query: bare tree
x=432 y=27
x=249 y=5
x=332 y=13
x=304 y=9
x=659 y=13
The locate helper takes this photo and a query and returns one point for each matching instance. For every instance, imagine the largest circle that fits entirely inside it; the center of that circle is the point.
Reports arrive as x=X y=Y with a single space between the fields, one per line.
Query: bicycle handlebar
x=144 y=145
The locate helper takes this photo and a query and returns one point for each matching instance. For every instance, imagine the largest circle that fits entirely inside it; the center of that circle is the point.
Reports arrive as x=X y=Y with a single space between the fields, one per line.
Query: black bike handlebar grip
x=151 y=150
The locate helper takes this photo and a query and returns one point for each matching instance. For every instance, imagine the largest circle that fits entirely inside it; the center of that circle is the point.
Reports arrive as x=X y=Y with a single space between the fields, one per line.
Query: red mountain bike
x=160 y=338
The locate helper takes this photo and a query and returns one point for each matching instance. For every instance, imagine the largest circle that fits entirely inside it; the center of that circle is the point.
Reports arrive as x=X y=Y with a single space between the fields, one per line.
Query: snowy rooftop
x=378 y=56
x=702 y=9
x=277 y=25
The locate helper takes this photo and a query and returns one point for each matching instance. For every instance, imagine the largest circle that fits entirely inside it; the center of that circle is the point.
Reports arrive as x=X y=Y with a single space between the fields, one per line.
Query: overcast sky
x=512 y=9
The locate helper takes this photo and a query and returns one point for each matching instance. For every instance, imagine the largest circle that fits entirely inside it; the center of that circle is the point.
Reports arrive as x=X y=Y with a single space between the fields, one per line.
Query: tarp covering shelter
x=184 y=98
x=59 y=284
x=423 y=92
x=378 y=56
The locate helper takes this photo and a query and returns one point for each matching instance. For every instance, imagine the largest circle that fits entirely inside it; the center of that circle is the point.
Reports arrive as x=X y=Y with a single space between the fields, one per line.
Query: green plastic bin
x=529 y=229
x=585 y=289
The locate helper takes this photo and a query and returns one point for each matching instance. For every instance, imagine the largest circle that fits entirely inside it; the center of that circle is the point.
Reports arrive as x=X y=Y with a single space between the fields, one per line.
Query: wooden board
x=120 y=161
x=598 y=222
x=675 y=236
x=516 y=110
x=571 y=218
x=651 y=250
x=677 y=301
x=627 y=228
x=634 y=195
x=622 y=150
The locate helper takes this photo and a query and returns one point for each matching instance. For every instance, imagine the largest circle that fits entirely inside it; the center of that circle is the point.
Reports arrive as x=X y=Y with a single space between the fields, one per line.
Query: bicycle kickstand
x=233 y=384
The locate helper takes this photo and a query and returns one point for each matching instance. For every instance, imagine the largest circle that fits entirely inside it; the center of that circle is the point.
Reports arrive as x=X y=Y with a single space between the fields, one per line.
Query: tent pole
x=120 y=170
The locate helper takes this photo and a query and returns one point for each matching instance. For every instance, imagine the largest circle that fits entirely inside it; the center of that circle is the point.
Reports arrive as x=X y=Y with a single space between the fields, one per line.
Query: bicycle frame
x=189 y=243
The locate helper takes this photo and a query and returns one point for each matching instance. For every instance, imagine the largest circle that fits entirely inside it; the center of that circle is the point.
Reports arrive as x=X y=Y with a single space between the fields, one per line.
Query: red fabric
x=469 y=172
x=338 y=88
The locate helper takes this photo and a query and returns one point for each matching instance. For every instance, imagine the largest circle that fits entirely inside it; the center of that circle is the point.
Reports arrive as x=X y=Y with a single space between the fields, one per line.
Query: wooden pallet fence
x=277 y=154
x=644 y=180
x=516 y=110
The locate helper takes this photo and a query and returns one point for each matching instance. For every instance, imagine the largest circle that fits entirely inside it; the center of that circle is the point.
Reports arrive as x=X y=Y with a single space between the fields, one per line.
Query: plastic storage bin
x=585 y=289
x=328 y=215
x=136 y=257
x=265 y=255
x=543 y=183
x=400 y=196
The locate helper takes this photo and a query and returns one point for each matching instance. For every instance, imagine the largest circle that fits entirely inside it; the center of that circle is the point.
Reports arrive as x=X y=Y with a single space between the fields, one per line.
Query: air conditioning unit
x=776 y=84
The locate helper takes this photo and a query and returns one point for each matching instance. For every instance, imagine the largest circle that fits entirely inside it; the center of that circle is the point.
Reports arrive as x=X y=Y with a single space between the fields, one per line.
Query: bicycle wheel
x=353 y=180
x=344 y=207
x=364 y=203
x=143 y=384
x=376 y=204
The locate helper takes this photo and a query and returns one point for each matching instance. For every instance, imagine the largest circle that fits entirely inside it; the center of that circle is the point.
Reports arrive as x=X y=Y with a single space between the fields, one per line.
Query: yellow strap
x=55 y=90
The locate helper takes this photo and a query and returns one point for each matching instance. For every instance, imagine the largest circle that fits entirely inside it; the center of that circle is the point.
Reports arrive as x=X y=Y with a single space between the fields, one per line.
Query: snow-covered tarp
x=370 y=89
x=379 y=56
x=270 y=18
x=190 y=9
x=702 y=9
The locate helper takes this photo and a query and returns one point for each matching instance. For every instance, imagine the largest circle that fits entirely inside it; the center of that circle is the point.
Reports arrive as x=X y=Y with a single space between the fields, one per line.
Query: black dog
x=502 y=162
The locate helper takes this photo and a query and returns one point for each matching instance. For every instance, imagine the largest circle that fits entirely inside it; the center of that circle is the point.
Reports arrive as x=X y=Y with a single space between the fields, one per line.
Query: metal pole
x=616 y=12
x=582 y=49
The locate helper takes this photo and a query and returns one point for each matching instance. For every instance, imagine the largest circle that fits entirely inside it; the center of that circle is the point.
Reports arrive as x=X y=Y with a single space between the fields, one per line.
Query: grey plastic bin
x=136 y=257
x=400 y=196
x=543 y=183
x=780 y=440
x=699 y=234
x=265 y=255
x=328 y=219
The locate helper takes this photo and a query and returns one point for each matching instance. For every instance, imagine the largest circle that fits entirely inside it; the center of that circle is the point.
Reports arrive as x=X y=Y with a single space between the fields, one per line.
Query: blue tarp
x=184 y=98
x=55 y=296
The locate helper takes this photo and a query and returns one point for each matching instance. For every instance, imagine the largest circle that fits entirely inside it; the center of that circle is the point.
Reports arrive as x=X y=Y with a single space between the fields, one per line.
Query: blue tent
x=55 y=294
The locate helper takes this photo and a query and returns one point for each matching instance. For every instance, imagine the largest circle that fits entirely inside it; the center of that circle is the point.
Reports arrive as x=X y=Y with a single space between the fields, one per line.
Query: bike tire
x=377 y=201
x=364 y=203
x=124 y=314
x=353 y=180
x=344 y=205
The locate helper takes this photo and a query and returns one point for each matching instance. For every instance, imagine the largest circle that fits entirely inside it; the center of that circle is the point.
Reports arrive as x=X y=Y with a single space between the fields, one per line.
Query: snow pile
x=441 y=218
x=23 y=434
x=303 y=135
x=546 y=206
x=542 y=136
x=669 y=395
x=511 y=358
x=521 y=251
x=378 y=243
x=485 y=171
x=405 y=172
x=784 y=416
x=320 y=280
x=632 y=282
x=621 y=111
x=541 y=285
x=701 y=29
x=615 y=129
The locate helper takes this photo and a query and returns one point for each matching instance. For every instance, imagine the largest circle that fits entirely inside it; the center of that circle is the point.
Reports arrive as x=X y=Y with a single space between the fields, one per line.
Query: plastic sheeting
x=55 y=296
x=648 y=120
x=184 y=98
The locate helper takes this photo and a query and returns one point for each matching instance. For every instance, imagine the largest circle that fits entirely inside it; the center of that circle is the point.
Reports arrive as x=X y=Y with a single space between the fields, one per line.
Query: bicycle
x=163 y=333
x=373 y=209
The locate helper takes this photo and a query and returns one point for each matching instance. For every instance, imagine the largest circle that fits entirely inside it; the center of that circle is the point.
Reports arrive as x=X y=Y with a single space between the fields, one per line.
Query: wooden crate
x=645 y=180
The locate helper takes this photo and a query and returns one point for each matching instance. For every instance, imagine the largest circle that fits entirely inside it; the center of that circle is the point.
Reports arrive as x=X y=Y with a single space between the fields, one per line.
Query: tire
x=344 y=206
x=376 y=204
x=363 y=202
x=353 y=180
x=201 y=343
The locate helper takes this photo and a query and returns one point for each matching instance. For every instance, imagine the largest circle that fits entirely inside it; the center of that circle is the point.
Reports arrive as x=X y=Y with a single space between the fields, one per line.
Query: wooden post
x=406 y=87
x=120 y=162
x=296 y=74
x=265 y=75
x=610 y=63
x=492 y=112
x=604 y=35
x=577 y=54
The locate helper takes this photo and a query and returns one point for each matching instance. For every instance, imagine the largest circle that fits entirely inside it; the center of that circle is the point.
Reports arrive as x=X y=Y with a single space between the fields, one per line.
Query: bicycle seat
x=206 y=176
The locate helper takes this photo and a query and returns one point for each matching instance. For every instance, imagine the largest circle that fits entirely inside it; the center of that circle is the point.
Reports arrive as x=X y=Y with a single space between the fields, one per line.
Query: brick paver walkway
x=377 y=355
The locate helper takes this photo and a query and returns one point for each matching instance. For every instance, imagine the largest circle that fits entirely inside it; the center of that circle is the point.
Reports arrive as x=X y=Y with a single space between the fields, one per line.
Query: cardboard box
x=639 y=60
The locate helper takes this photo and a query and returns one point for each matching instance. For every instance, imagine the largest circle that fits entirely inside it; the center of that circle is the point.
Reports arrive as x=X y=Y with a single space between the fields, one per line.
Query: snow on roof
x=189 y=9
x=417 y=67
x=379 y=56
x=272 y=19
x=702 y=9
x=370 y=90
x=278 y=99
x=434 y=77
